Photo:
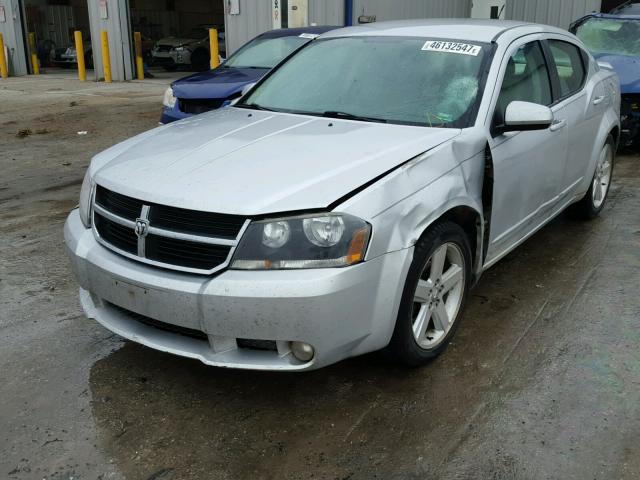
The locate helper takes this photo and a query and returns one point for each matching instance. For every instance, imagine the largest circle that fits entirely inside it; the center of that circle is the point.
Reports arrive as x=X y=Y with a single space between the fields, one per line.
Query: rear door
x=580 y=103
x=528 y=166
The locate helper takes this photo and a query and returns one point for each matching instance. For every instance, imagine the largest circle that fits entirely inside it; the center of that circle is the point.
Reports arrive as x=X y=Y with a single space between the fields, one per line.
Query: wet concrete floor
x=541 y=382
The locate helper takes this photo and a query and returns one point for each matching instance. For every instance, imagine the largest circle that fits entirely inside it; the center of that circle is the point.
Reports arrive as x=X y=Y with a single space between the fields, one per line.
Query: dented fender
x=402 y=205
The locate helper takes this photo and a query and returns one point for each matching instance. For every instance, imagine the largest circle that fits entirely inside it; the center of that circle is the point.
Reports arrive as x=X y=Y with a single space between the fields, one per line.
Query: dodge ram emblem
x=142 y=227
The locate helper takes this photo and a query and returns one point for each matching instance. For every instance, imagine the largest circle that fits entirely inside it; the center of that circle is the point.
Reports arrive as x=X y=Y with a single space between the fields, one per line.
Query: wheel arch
x=615 y=133
x=471 y=221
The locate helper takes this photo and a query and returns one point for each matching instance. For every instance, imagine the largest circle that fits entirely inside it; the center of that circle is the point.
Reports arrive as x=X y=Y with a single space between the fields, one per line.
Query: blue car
x=614 y=38
x=216 y=88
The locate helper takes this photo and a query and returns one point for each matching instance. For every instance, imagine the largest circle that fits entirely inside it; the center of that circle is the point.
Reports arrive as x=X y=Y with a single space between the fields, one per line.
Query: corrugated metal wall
x=117 y=26
x=559 y=13
x=406 y=9
x=255 y=18
x=11 y=30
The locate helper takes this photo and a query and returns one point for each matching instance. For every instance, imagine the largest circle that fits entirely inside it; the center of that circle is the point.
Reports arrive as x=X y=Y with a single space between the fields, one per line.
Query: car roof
x=629 y=8
x=294 y=32
x=454 y=28
x=628 y=15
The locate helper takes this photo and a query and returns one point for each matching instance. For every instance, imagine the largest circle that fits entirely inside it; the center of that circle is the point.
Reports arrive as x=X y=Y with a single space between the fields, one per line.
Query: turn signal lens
x=357 y=246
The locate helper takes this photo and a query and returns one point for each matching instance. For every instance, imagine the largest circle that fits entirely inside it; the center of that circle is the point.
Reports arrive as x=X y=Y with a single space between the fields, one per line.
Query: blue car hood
x=627 y=68
x=218 y=83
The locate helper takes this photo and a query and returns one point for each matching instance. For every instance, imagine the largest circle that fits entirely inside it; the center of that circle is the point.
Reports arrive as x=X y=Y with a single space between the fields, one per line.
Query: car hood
x=250 y=162
x=218 y=83
x=175 y=41
x=627 y=68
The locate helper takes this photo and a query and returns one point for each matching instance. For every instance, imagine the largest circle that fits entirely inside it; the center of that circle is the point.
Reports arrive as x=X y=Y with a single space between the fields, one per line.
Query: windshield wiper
x=253 y=106
x=351 y=116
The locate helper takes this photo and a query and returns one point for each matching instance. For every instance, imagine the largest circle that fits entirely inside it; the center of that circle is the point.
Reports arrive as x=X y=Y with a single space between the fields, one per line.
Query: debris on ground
x=23 y=133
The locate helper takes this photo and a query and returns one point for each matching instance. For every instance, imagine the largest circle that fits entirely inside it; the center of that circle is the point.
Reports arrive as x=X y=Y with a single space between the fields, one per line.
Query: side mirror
x=605 y=65
x=244 y=91
x=521 y=116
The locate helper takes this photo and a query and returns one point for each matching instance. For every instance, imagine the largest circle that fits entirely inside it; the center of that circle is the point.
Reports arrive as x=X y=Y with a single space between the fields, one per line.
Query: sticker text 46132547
x=452 y=47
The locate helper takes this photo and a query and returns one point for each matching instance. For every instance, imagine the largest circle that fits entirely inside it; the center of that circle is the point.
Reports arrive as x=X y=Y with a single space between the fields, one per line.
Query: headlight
x=85 y=200
x=310 y=241
x=180 y=49
x=169 y=100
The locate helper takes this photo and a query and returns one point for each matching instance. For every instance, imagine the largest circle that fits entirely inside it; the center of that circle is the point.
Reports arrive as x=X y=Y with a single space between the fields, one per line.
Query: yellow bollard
x=137 y=38
x=4 y=71
x=213 y=48
x=106 y=59
x=35 y=65
x=82 y=68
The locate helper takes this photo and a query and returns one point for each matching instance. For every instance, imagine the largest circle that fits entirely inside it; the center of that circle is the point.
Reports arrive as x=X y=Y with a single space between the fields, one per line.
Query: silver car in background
x=349 y=201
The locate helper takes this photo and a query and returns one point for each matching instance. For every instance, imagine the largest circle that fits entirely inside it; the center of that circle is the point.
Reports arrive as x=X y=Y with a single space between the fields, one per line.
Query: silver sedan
x=349 y=201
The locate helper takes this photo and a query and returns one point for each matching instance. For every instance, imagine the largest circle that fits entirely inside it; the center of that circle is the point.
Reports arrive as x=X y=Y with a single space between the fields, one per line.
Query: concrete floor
x=541 y=382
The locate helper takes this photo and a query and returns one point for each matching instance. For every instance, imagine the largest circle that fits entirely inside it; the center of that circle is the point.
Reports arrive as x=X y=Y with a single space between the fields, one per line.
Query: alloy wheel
x=438 y=296
x=602 y=177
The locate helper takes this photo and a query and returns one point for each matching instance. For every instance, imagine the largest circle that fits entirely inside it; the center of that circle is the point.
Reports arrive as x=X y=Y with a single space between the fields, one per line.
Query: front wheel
x=593 y=202
x=434 y=295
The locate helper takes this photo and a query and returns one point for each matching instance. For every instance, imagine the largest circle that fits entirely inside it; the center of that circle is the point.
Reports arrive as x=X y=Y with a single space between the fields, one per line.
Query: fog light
x=302 y=351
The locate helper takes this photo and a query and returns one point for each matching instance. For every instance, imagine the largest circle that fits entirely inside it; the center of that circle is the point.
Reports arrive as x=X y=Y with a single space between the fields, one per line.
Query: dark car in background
x=216 y=88
x=614 y=39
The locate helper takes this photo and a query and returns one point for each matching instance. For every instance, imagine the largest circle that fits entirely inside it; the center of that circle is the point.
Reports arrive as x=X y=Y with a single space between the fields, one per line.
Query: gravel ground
x=542 y=381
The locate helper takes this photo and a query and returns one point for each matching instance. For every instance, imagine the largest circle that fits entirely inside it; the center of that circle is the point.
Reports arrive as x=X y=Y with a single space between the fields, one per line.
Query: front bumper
x=174 y=114
x=341 y=312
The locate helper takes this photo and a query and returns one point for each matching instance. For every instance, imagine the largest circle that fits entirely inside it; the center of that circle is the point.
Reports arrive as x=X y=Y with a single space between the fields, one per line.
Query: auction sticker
x=452 y=47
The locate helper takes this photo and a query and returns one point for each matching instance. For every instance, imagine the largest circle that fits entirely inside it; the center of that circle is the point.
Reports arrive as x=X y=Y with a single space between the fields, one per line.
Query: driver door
x=528 y=166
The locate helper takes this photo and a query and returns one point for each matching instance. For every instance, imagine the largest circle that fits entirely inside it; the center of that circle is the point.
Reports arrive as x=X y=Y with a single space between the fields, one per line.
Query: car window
x=570 y=66
x=526 y=79
x=265 y=52
x=611 y=35
x=402 y=80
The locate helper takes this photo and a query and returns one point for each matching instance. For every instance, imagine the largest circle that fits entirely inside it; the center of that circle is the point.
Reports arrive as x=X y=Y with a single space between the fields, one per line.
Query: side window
x=526 y=79
x=570 y=66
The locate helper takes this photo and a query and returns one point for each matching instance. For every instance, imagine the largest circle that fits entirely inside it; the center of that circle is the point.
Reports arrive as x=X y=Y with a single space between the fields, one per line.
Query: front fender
x=404 y=204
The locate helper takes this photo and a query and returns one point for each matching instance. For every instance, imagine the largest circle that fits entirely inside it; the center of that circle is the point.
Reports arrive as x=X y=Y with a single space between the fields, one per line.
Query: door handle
x=557 y=125
x=599 y=100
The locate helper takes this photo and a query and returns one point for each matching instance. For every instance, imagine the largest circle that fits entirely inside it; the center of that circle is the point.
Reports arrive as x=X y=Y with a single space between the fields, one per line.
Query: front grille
x=164 y=48
x=630 y=104
x=199 y=105
x=184 y=253
x=171 y=237
x=117 y=235
x=125 y=207
x=196 y=223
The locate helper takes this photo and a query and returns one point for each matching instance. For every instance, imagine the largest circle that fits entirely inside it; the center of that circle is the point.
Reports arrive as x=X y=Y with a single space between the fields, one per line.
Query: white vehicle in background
x=349 y=201
x=191 y=51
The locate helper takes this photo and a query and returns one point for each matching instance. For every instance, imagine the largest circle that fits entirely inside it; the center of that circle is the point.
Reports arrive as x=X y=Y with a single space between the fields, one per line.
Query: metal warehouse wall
x=255 y=18
x=559 y=13
x=12 y=35
x=407 y=9
x=117 y=26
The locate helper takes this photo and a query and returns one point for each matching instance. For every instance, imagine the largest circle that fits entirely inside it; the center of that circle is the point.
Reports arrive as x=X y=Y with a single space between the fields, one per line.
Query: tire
x=590 y=206
x=200 y=60
x=416 y=349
